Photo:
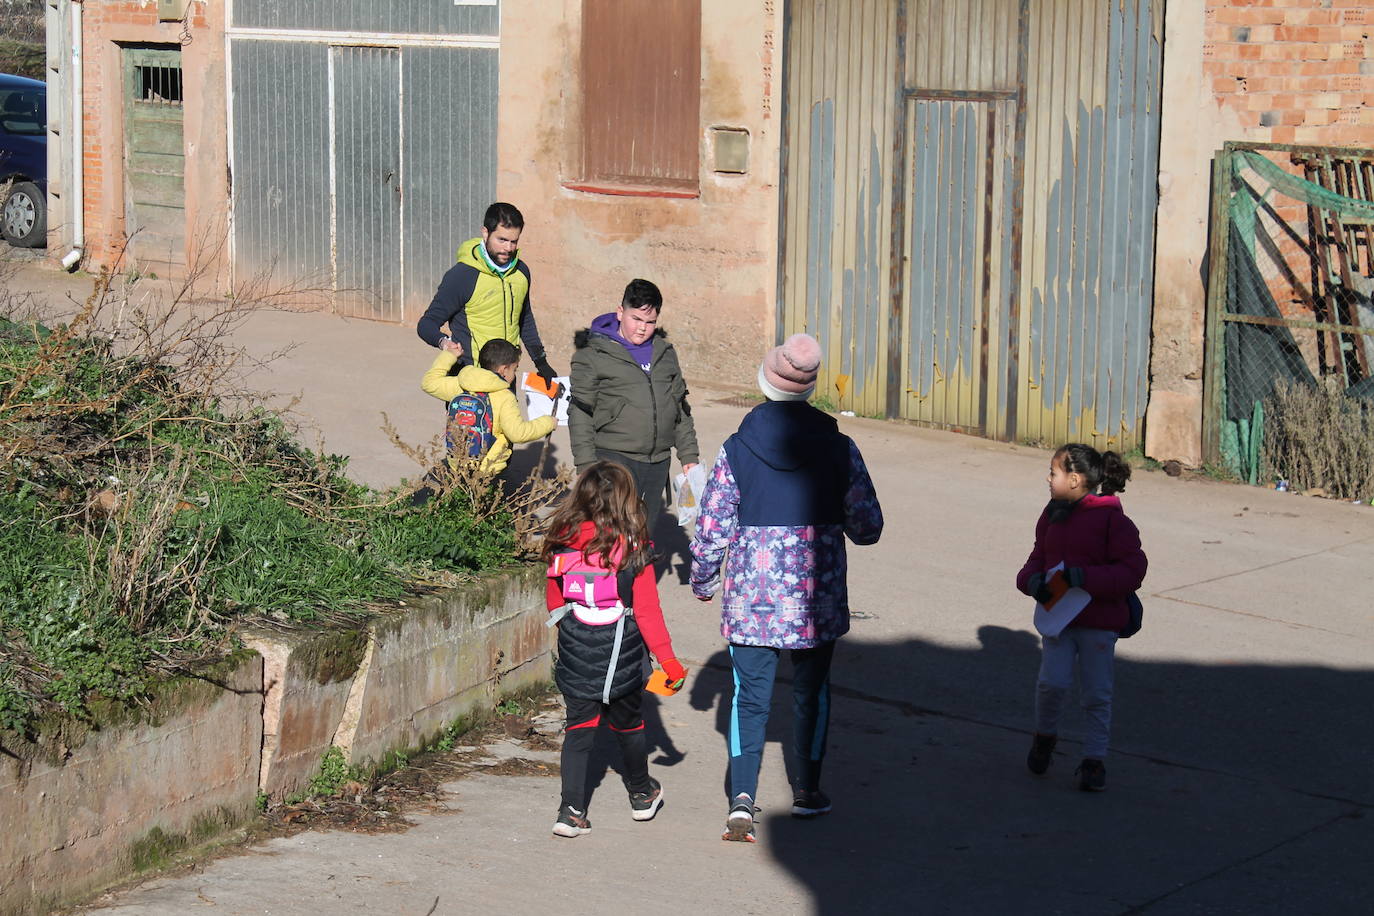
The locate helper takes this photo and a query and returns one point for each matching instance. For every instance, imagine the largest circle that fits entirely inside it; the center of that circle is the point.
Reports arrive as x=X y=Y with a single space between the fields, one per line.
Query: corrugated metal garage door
x=840 y=110
x=1020 y=207
x=366 y=155
x=360 y=161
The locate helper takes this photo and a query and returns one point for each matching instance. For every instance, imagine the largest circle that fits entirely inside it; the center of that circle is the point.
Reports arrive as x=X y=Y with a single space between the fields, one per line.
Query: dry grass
x=1317 y=436
x=486 y=497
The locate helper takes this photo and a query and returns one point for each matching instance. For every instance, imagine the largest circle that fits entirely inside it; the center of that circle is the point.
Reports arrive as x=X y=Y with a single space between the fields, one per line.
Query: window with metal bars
x=158 y=85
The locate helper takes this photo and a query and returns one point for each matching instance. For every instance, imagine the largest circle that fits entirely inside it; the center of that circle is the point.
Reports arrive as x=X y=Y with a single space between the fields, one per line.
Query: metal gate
x=1290 y=317
x=954 y=290
x=155 y=158
x=363 y=145
x=365 y=155
x=968 y=209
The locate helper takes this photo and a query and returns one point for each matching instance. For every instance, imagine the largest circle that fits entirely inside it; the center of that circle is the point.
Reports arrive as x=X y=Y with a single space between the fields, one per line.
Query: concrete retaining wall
x=82 y=806
x=401 y=680
x=77 y=804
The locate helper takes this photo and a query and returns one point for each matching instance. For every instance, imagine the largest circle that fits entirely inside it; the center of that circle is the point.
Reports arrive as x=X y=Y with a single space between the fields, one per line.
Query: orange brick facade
x=107 y=28
x=1294 y=71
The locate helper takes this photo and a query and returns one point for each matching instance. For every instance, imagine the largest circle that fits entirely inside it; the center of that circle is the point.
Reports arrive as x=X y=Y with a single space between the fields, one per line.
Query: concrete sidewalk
x=1240 y=779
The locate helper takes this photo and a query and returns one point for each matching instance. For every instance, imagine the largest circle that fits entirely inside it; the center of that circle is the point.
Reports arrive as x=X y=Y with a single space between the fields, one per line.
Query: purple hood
x=609 y=326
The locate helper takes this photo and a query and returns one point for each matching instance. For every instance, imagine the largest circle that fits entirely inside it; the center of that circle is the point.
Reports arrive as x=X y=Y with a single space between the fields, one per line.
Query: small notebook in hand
x=1065 y=604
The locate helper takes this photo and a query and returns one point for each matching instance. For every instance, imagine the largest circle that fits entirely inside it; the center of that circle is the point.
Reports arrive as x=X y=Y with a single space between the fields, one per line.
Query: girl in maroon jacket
x=1084 y=529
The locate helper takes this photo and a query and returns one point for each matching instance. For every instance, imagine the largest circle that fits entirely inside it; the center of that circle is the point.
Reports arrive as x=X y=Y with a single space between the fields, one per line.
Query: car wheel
x=24 y=220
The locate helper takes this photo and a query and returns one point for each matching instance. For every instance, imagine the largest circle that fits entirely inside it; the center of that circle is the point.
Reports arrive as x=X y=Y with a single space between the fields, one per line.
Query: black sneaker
x=571 y=822
x=1092 y=775
x=739 y=824
x=809 y=804
x=644 y=805
x=1041 y=753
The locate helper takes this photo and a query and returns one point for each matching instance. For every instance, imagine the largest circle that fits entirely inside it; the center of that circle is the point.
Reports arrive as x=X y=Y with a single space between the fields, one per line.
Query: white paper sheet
x=539 y=404
x=1052 y=621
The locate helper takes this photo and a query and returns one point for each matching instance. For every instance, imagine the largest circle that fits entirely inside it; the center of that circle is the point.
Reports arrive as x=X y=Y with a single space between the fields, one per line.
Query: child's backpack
x=470 y=424
x=1136 y=610
x=593 y=594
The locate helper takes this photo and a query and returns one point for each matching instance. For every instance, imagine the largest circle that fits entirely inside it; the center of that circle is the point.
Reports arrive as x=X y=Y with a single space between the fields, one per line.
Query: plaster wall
x=713 y=256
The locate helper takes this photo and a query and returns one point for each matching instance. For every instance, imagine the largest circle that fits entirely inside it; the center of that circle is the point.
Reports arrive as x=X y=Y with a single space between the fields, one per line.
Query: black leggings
x=622 y=714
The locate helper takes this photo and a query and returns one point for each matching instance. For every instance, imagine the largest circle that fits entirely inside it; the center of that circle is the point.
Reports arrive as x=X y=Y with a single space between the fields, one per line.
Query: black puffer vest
x=585 y=654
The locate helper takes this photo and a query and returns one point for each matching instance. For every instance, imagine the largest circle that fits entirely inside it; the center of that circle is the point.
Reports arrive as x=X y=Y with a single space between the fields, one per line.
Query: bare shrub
x=1318 y=436
x=486 y=498
x=157 y=546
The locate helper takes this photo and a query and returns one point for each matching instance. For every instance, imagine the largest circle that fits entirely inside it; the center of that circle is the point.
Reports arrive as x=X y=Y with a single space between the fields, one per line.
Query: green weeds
x=334 y=773
x=142 y=515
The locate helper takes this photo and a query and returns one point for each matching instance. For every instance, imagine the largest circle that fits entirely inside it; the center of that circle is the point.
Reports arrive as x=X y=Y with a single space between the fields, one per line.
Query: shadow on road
x=1231 y=787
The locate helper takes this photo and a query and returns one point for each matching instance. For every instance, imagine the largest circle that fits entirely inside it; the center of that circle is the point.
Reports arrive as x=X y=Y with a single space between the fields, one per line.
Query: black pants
x=584 y=716
x=651 y=477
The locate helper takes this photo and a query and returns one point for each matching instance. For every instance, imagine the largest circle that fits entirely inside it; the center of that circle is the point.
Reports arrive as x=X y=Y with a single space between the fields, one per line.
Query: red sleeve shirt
x=648 y=611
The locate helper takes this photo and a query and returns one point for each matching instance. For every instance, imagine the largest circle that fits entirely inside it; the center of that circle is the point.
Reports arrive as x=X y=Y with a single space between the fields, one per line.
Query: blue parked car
x=24 y=160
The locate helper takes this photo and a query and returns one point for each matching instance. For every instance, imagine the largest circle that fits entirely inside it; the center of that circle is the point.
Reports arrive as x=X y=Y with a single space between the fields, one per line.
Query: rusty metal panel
x=956 y=290
x=641 y=91
x=963 y=45
x=1092 y=144
x=843 y=97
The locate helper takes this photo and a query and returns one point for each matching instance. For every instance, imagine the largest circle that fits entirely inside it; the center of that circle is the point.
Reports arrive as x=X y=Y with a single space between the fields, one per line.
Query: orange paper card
x=535 y=382
x=659 y=684
x=1058 y=585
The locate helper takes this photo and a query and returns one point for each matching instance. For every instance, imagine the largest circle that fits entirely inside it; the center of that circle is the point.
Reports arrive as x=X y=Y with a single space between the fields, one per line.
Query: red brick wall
x=1294 y=71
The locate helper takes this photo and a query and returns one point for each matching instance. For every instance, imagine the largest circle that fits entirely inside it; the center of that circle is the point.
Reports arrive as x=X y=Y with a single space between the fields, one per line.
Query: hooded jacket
x=1097 y=537
x=479 y=304
x=507 y=423
x=785 y=491
x=616 y=405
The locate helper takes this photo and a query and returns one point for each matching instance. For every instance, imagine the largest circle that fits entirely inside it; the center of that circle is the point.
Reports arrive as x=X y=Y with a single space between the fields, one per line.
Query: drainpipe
x=77 y=192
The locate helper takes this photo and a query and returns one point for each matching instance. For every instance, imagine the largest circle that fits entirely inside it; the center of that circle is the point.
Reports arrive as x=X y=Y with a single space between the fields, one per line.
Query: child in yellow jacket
x=492 y=376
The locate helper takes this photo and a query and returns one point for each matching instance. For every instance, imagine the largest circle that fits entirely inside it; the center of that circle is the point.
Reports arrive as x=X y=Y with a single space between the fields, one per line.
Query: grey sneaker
x=1092 y=775
x=644 y=805
x=739 y=824
x=809 y=804
x=571 y=822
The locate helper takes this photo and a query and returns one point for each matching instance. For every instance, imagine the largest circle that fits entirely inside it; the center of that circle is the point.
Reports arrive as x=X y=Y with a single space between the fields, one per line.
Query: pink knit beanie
x=788 y=372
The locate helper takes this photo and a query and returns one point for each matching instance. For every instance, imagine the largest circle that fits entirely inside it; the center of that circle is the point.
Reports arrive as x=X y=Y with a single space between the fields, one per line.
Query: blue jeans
x=755 y=668
x=1092 y=653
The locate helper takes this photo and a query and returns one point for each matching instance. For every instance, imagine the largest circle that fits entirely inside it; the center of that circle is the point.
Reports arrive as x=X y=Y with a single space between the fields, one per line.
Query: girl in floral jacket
x=786 y=490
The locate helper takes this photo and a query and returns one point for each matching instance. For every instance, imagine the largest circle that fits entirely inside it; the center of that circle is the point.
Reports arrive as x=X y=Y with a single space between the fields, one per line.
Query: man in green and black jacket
x=629 y=400
x=486 y=295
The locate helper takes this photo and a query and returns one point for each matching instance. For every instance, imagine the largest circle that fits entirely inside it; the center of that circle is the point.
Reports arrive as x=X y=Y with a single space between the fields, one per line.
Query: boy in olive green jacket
x=629 y=400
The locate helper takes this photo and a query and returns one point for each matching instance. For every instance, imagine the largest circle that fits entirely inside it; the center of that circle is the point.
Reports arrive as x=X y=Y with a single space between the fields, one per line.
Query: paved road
x=1240 y=780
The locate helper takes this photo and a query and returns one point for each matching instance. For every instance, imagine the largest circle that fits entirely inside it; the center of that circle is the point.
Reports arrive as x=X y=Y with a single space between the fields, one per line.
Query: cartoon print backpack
x=470 y=419
x=593 y=594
